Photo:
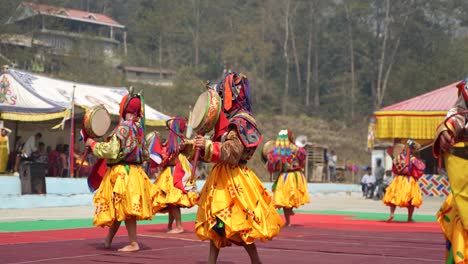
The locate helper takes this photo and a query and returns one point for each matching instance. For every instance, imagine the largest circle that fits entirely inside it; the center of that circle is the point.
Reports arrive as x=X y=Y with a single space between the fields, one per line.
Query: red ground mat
x=314 y=239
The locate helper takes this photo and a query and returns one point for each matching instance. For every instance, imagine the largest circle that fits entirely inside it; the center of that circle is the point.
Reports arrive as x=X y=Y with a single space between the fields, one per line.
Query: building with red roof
x=63 y=31
x=417 y=117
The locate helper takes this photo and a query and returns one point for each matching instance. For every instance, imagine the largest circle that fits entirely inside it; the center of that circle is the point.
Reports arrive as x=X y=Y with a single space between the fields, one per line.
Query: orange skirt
x=403 y=192
x=122 y=195
x=290 y=190
x=234 y=206
x=165 y=194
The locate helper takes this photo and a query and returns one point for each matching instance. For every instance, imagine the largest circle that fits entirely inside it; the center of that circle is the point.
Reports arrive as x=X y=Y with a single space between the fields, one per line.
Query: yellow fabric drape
x=453 y=214
x=3 y=153
x=403 y=192
x=33 y=117
x=291 y=190
x=236 y=197
x=165 y=193
x=407 y=124
x=123 y=194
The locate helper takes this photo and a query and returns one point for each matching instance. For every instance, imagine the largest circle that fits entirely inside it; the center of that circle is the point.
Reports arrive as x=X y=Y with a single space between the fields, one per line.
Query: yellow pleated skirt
x=403 y=192
x=449 y=219
x=234 y=206
x=290 y=190
x=453 y=214
x=122 y=195
x=165 y=194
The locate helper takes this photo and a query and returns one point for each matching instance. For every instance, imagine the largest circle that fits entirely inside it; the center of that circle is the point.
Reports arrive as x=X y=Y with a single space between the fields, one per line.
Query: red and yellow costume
x=290 y=188
x=125 y=189
x=173 y=186
x=234 y=206
x=404 y=191
x=453 y=214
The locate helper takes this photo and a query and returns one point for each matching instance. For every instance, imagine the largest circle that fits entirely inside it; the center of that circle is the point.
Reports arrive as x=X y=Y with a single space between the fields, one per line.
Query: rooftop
x=66 y=13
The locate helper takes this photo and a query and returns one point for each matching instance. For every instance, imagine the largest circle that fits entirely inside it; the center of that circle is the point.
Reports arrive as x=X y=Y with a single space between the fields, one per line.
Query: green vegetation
x=317 y=67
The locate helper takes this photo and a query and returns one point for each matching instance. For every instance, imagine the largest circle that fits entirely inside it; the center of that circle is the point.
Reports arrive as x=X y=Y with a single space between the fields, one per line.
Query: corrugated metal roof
x=73 y=14
x=441 y=99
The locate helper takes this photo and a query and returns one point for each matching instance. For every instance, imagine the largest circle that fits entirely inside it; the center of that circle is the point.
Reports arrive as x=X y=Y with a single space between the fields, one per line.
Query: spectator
x=40 y=155
x=54 y=166
x=388 y=178
x=370 y=185
x=29 y=147
x=4 y=147
x=64 y=161
x=379 y=173
x=15 y=155
x=332 y=159
x=364 y=179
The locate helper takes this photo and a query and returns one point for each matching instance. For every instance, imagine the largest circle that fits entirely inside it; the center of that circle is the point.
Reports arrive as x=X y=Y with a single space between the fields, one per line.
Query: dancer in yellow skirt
x=125 y=191
x=404 y=191
x=290 y=188
x=450 y=144
x=173 y=188
x=234 y=206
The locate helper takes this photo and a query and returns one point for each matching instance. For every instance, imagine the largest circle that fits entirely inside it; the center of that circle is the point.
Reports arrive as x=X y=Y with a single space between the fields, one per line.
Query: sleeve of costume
x=107 y=150
x=301 y=156
x=454 y=124
x=417 y=167
x=229 y=151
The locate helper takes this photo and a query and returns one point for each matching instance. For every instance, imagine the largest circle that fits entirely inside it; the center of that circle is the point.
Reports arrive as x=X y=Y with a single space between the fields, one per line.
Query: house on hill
x=65 y=32
x=151 y=76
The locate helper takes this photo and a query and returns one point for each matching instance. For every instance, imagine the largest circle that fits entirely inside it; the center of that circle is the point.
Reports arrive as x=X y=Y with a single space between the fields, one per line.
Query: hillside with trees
x=317 y=67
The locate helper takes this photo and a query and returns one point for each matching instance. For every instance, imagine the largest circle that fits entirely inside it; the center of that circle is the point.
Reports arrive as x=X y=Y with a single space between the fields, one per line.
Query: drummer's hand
x=89 y=142
x=184 y=144
x=199 y=142
x=446 y=141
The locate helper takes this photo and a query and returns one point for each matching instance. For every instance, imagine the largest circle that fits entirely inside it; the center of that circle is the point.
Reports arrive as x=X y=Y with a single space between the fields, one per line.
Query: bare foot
x=107 y=243
x=130 y=248
x=176 y=230
x=390 y=219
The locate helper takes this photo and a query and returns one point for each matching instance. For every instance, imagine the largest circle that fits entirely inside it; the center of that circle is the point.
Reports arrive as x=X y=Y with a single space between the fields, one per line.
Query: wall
x=62 y=192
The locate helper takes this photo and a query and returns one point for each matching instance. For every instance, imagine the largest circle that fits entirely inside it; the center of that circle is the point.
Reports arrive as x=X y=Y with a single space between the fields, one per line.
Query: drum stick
x=195 y=162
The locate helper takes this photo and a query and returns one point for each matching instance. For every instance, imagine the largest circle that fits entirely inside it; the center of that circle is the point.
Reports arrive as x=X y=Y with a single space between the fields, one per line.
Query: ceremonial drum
x=96 y=121
x=206 y=112
x=269 y=146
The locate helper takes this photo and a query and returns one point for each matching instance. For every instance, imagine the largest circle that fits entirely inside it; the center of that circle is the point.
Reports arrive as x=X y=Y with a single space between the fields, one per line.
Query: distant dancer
x=290 y=189
x=404 y=191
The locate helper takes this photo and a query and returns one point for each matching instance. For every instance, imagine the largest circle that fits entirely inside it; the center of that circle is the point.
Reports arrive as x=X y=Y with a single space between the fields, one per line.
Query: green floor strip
x=373 y=216
x=39 y=225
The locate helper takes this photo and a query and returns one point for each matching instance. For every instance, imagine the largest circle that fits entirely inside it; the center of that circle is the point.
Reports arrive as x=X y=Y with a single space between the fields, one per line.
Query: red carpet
x=313 y=239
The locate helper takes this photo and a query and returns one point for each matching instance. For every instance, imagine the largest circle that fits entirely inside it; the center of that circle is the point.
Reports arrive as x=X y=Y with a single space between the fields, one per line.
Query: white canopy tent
x=60 y=92
x=19 y=104
x=31 y=98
